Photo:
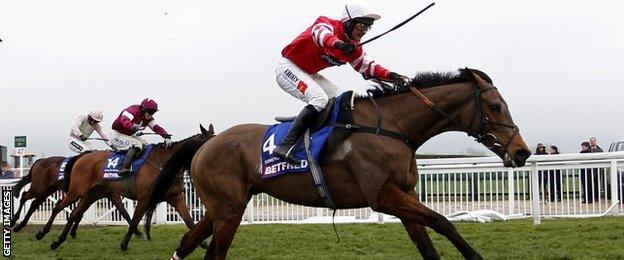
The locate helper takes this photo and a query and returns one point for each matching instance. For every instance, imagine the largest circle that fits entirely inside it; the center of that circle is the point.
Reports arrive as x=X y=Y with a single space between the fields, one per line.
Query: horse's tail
x=68 y=169
x=174 y=167
x=24 y=180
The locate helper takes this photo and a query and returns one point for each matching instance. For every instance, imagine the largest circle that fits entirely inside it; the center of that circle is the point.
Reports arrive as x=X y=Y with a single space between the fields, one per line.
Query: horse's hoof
x=142 y=237
x=123 y=247
x=17 y=228
x=39 y=235
x=54 y=245
x=73 y=236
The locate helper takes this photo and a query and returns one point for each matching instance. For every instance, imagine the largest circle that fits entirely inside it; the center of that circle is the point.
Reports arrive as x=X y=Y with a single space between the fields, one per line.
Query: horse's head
x=490 y=121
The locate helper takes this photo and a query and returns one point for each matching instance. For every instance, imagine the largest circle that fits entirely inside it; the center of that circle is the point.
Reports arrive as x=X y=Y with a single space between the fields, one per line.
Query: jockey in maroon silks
x=130 y=121
x=326 y=43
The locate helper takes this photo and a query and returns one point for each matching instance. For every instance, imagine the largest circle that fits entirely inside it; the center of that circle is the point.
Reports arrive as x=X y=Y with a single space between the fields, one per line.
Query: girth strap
x=378 y=131
x=317 y=175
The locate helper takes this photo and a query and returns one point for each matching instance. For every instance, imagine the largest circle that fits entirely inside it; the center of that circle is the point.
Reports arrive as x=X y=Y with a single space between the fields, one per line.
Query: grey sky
x=557 y=63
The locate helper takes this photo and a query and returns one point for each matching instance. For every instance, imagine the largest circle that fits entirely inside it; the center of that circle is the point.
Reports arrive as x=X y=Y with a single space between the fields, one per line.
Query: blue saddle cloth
x=61 y=172
x=273 y=166
x=114 y=161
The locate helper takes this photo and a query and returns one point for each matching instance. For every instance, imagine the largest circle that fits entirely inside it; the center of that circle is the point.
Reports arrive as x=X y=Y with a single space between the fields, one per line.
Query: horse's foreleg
x=67 y=200
x=74 y=228
x=117 y=201
x=419 y=236
x=179 y=204
x=139 y=211
x=394 y=201
x=194 y=237
x=75 y=216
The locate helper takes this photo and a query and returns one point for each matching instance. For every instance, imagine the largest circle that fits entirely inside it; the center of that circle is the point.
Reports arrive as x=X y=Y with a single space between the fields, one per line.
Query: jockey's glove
x=345 y=47
x=398 y=79
x=167 y=142
x=82 y=138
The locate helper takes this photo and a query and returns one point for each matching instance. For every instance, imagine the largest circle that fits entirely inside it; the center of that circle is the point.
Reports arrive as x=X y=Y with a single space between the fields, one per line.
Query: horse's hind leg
x=224 y=232
x=25 y=197
x=194 y=237
x=393 y=200
x=34 y=206
x=76 y=215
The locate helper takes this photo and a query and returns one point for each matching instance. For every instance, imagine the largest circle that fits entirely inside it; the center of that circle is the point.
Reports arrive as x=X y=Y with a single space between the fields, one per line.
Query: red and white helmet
x=96 y=115
x=358 y=10
x=149 y=105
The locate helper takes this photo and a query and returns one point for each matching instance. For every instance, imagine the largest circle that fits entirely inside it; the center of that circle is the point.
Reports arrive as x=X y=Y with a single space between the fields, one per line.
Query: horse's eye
x=496 y=107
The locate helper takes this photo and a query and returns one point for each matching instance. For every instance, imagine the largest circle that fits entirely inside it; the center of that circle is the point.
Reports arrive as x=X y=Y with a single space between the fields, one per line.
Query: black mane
x=429 y=79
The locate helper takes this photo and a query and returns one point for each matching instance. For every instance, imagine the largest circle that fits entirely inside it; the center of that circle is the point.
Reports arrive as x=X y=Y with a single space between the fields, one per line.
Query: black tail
x=68 y=169
x=175 y=166
x=23 y=181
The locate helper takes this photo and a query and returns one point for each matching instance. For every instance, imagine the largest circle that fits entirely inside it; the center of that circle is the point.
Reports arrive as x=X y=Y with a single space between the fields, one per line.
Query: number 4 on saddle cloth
x=113 y=163
x=323 y=138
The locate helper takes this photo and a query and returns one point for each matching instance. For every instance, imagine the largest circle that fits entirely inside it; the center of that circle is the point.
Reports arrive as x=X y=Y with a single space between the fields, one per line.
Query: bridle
x=478 y=113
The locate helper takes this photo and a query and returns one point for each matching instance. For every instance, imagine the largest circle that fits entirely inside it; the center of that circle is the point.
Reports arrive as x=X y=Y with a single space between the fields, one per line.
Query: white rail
x=567 y=185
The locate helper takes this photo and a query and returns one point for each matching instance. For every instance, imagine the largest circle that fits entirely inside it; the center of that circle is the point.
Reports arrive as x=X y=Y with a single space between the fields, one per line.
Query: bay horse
x=43 y=179
x=365 y=169
x=87 y=184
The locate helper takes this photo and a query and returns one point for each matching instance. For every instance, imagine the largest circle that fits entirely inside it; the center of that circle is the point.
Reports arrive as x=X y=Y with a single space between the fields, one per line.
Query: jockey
x=132 y=120
x=83 y=127
x=326 y=43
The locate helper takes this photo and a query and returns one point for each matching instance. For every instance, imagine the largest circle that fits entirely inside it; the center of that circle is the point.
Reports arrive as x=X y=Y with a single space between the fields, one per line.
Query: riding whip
x=398 y=25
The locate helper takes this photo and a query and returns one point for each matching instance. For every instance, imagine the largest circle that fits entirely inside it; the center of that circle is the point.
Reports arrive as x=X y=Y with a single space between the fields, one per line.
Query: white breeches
x=313 y=89
x=124 y=142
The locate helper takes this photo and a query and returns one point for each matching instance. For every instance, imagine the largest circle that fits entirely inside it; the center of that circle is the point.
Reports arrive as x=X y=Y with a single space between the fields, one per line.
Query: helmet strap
x=348 y=24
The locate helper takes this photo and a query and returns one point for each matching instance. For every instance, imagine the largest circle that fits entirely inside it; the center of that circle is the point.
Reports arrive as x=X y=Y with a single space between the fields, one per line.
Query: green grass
x=598 y=238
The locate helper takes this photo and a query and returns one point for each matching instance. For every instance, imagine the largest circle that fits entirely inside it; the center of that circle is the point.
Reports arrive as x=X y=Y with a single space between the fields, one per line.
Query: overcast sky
x=557 y=63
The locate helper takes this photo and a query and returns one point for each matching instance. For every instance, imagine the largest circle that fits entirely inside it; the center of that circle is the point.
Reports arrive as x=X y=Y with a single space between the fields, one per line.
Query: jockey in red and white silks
x=83 y=127
x=130 y=121
x=326 y=43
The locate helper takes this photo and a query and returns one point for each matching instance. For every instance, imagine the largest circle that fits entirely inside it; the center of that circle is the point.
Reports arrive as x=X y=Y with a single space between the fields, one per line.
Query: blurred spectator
x=593 y=145
x=6 y=173
x=554 y=179
x=589 y=179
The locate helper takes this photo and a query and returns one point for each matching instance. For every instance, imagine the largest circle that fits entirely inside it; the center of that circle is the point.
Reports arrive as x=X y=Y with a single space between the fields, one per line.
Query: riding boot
x=126 y=166
x=285 y=149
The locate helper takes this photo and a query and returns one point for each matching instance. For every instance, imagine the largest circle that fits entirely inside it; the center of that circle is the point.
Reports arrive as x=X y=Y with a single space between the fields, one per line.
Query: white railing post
x=319 y=212
x=535 y=194
x=250 y=210
x=614 y=185
x=89 y=215
x=161 y=213
x=510 y=190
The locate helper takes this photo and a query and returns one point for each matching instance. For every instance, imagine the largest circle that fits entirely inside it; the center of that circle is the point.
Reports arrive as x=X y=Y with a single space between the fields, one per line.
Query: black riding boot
x=125 y=167
x=302 y=122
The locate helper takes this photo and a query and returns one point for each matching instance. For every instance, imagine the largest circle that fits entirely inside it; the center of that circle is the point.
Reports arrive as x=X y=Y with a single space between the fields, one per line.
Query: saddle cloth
x=273 y=166
x=61 y=172
x=114 y=161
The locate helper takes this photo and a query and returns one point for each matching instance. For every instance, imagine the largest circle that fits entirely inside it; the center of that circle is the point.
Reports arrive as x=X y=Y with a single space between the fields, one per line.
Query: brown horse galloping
x=365 y=169
x=43 y=179
x=87 y=183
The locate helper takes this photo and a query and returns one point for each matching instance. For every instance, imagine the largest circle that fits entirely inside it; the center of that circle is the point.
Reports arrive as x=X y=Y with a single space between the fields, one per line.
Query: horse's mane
x=162 y=144
x=429 y=79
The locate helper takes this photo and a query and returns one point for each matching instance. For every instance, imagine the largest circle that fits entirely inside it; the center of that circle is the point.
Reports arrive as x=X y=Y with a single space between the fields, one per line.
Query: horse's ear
x=206 y=133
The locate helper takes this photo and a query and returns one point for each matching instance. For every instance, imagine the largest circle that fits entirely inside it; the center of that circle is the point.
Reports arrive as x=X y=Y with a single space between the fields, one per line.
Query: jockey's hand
x=82 y=138
x=136 y=128
x=398 y=79
x=168 y=142
x=345 y=47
